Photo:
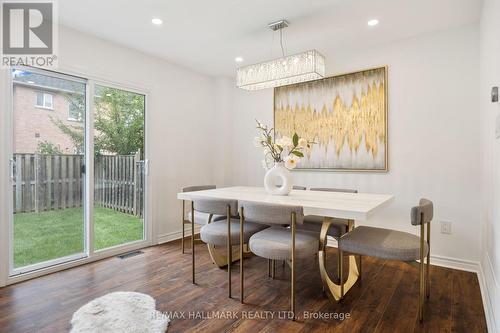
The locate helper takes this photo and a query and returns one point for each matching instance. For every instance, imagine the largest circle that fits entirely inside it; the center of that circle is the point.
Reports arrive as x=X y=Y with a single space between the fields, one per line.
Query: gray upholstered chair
x=221 y=233
x=201 y=218
x=277 y=242
x=396 y=245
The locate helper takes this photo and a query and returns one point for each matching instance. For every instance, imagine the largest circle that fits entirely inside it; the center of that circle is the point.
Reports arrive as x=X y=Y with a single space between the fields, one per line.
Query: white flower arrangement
x=285 y=149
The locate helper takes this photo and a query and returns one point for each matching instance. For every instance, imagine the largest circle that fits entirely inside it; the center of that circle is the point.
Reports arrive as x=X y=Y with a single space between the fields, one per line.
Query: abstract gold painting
x=345 y=115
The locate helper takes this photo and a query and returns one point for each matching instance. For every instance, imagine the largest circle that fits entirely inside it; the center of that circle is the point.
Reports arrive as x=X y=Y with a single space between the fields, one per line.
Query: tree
x=118 y=122
x=74 y=132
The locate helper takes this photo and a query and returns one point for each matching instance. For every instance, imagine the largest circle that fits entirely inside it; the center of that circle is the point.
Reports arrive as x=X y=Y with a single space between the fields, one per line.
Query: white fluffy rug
x=120 y=312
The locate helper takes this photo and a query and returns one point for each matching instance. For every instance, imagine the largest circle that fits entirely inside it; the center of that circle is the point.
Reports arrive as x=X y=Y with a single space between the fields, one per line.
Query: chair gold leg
x=192 y=239
x=360 y=265
x=273 y=268
x=427 y=285
x=292 y=298
x=341 y=273
x=183 y=230
x=242 y=220
x=229 y=250
x=422 y=293
x=339 y=260
x=422 y=275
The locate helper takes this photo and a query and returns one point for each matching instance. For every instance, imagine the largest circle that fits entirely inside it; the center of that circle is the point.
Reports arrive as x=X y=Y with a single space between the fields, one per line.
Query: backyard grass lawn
x=49 y=235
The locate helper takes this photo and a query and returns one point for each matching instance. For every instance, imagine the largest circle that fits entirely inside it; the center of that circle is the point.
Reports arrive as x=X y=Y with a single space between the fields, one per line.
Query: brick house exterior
x=33 y=123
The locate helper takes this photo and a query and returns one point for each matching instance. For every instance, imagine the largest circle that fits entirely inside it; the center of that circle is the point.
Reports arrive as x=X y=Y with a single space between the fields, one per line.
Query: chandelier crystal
x=305 y=66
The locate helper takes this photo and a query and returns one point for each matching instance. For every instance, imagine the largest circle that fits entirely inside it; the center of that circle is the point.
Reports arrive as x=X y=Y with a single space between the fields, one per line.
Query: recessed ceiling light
x=238 y=59
x=157 y=21
x=373 y=22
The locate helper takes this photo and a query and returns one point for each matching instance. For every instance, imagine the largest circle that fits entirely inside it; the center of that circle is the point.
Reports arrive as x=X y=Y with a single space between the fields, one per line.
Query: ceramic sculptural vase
x=278 y=180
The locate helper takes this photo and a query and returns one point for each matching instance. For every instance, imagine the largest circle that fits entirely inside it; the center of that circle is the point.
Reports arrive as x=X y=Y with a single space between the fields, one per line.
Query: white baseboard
x=460 y=264
x=171 y=236
x=489 y=292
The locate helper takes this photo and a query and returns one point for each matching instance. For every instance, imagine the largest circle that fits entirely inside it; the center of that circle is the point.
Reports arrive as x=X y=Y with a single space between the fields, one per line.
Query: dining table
x=350 y=207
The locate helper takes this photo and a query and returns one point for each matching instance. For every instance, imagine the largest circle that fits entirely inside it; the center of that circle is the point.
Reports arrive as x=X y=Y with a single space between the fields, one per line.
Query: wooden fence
x=50 y=182
x=119 y=183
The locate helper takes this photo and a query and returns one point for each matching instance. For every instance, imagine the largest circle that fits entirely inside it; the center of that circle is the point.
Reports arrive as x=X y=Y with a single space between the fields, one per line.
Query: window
x=44 y=100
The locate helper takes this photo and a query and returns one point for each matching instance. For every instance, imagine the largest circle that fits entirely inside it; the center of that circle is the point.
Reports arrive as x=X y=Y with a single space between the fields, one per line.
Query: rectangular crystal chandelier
x=305 y=66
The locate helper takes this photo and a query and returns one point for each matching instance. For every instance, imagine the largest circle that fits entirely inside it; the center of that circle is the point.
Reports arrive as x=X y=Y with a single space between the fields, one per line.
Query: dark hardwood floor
x=385 y=301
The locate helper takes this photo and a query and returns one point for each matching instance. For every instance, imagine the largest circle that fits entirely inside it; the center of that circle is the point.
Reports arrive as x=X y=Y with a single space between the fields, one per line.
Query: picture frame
x=346 y=115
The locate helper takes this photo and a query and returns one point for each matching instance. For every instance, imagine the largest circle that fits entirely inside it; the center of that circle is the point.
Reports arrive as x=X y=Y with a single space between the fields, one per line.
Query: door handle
x=12 y=163
x=146 y=167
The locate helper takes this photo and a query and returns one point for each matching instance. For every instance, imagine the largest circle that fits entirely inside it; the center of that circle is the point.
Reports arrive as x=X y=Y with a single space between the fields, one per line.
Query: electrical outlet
x=446 y=227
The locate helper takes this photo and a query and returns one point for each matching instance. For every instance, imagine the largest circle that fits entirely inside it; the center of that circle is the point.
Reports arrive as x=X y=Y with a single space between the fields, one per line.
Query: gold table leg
x=220 y=259
x=336 y=291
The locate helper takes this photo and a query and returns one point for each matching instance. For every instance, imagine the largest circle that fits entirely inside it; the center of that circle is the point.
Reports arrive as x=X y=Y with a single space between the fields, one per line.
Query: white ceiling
x=206 y=35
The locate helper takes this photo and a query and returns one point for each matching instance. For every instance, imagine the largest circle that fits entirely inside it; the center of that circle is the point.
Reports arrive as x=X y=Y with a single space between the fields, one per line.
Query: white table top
x=356 y=206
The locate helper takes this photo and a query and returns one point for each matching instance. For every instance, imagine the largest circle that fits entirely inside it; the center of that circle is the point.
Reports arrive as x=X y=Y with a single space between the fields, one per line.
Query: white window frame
x=6 y=276
x=45 y=96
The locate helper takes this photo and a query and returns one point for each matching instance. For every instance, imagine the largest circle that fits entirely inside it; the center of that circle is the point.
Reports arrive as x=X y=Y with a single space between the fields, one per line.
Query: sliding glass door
x=47 y=185
x=61 y=137
x=119 y=167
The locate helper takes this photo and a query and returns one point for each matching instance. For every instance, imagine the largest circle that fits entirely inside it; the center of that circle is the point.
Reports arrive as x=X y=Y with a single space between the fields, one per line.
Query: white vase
x=278 y=180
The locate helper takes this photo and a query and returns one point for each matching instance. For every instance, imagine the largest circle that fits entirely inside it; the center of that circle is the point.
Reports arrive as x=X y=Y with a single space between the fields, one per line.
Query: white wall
x=181 y=114
x=223 y=132
x=433 y=135
x=490 y=158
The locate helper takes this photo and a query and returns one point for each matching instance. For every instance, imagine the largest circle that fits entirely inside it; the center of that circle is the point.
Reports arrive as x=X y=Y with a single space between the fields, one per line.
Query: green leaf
x=295 y=140
x=297 y=153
